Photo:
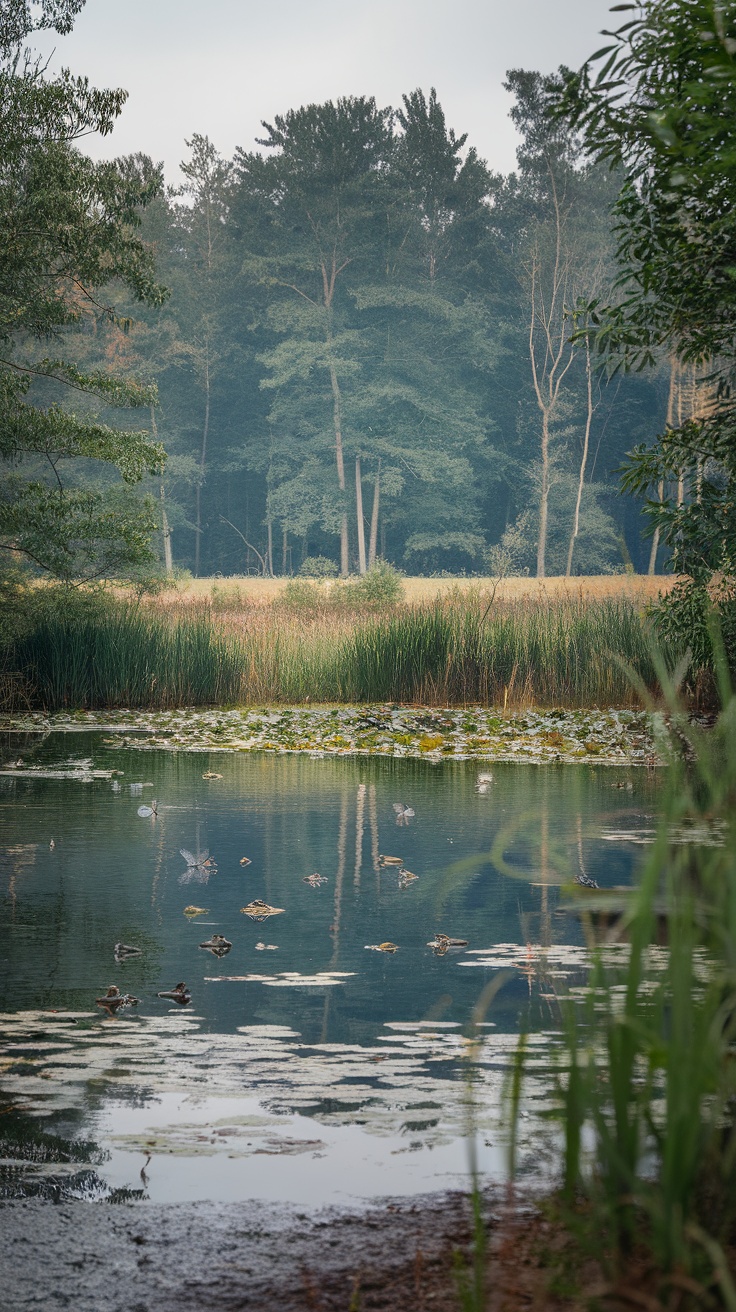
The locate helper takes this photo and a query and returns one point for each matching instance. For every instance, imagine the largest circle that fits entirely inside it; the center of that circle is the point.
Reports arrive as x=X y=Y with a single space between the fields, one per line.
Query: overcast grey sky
x=218 y=67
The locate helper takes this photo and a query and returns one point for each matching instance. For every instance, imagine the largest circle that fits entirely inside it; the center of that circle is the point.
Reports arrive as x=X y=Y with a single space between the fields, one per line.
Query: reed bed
x=454 y=650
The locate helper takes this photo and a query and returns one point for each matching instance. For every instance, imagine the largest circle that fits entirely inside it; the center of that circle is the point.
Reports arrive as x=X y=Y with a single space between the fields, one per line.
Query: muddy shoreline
x=399 y=1254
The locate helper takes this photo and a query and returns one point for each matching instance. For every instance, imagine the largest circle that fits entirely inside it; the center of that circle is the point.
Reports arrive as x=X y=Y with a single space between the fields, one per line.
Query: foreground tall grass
x=95 y=653
x=647 y=1092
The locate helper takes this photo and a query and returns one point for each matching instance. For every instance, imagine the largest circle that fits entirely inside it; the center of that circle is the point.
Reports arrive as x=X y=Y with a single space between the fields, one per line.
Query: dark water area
x=326 y=1069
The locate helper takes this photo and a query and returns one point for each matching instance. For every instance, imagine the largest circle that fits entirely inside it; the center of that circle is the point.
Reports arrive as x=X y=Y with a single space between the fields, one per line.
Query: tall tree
x=658 y=102
x=67 y=227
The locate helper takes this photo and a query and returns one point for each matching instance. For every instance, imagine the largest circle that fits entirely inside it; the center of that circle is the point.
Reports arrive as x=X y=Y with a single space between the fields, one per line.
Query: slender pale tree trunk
x=671 y=398
x=166 y=533
x=543 y=498
x=269 y=554
x=340 y=461
x=165 y=530
x=374 y=518
x=584 y=458
x=284 y=551
x=202 y=459
x=359 y=516
x=550 y=352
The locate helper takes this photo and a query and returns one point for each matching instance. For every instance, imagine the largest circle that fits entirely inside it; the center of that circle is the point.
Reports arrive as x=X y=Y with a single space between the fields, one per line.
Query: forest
x=364 y=344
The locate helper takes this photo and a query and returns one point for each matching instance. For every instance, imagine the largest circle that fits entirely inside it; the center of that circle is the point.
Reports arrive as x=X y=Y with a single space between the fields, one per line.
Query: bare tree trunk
x=655 y=536
x=374 y=518
x=359 y=516
x=284 y=551
x=550 y=352
x=671 y=397
x=202 y=461
x=269 y=553
x=337 y=419
x=165 y=530
x=584 y=459
x=166 y=533
x=543 y=498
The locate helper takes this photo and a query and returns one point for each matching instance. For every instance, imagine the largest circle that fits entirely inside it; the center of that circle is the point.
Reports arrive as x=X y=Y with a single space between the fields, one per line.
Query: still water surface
x=318 y=1070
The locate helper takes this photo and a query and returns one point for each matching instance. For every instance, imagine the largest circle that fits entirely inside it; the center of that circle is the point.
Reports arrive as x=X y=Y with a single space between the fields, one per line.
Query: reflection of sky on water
x=352 y=1059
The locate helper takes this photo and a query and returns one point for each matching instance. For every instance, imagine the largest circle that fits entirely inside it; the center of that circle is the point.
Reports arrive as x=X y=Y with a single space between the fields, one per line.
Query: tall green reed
x=98 y=652
x=648 y=1070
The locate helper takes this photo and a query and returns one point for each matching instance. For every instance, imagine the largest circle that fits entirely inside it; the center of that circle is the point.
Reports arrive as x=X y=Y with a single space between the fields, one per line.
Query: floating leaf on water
x=195 y=911
x=381 y=947
x=260 y=910
x=122 y=951
x=390 y=860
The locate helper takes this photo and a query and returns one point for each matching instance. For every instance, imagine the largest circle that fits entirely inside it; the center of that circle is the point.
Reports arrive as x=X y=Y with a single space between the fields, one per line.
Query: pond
x=308 y=1065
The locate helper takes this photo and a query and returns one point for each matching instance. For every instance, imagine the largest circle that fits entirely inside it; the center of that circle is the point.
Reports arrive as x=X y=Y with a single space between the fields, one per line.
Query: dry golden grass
x=638 y=587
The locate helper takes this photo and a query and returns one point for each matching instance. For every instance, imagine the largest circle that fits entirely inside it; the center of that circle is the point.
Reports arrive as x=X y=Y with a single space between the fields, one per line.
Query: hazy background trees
x=367 y=348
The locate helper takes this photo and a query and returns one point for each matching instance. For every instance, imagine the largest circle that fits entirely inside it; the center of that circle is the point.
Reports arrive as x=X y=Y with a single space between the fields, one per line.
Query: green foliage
x=68 y=227
x=648 y=1052
x=685 y=620
x=317 y=567
x=380 y=586
x=660 y=107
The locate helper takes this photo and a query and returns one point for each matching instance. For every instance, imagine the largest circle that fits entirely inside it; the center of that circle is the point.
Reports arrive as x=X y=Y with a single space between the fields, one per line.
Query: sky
x=220 y=67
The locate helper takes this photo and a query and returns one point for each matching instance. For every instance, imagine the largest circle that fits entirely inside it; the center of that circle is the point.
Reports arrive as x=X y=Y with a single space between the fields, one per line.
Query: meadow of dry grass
x=636 y=587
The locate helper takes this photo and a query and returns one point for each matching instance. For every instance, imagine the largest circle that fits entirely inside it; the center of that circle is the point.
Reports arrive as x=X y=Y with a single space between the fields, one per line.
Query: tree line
x=354 y=341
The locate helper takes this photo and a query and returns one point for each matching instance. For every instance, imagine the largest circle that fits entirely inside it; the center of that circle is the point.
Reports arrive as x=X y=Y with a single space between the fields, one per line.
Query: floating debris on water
x=195 y=911
x=403 y=813
x=145 y=811
x=211 y=774
x=266 y=947
x=199 y=866
x=315 y=880
x=381 y=947
x=245 y=861
x=218 y=945
x=406 y=877
x=123 y=950
x=441 y=943
x=286 y=979
x=585 y=881
x=260 y=910
x=390 y=860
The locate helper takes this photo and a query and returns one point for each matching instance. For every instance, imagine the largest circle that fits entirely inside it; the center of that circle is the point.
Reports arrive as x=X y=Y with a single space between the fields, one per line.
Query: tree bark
x=165 y=530
x=340 y=461
x=584 y=459
x=202 y=461
x=359 y=516
x=374 y=518
x=543 y=498
x=269 y=554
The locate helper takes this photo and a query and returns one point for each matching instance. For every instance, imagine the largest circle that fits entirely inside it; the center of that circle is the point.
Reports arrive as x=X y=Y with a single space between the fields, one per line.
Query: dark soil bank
x=177 y=1258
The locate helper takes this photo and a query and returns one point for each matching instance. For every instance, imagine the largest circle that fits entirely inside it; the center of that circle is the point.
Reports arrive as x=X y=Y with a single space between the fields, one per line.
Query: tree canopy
x=658 y=102
x=68 y=228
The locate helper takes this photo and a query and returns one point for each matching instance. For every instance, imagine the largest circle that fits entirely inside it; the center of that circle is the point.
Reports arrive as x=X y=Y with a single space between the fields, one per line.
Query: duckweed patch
x=616 y=737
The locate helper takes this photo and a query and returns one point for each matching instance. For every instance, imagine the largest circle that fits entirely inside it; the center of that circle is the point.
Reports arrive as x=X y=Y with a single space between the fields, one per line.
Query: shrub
x=317 y=567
